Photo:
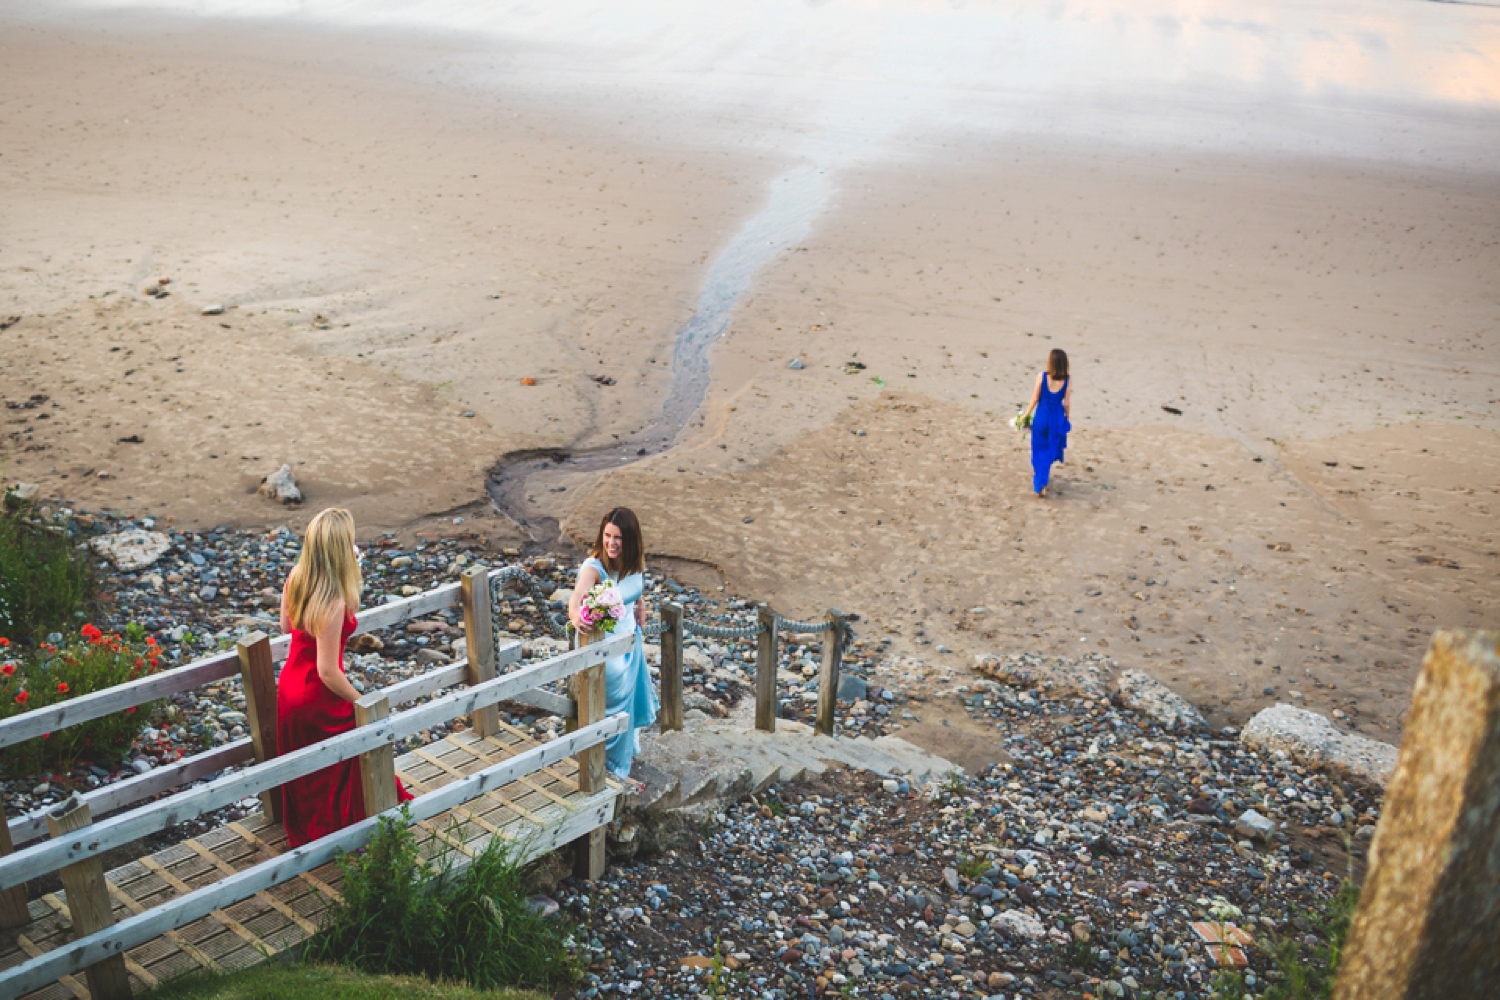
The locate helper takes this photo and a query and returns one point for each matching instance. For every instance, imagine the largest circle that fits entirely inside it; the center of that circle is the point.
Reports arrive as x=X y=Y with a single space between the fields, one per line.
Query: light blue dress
x=627 y=682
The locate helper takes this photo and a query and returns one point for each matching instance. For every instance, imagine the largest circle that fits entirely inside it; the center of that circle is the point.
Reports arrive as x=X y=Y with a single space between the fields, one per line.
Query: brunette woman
x=314 y=700
x=618 y=557
x=1051 y=402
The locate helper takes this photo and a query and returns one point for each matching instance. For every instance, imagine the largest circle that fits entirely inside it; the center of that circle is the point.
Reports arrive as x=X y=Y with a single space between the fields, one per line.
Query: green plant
x=302 y=981
x=46 y=583
x=406 y=916
x=32 y=679
x=718 y=978
x=971 y=867
x=1308 y=973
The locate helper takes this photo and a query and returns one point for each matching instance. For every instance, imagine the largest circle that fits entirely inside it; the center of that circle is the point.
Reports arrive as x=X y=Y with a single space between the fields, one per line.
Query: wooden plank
x=457 y=773
x=552 y=704
x=670 y=716
x=595 y=811
x=235 y=927
x=264 y=897
x=131 y=965
x=89 y=907
x=423 y=685
x=765 y=670
x=187 y=947
x=143 y=786
x=258 y=681
x=509 y=751
x=589 y=694
x=377 y=766
x=828 y=681
x=29 y=947
x=401 y=611
x=312 y=880
x=13 y=912
x=137 y=823
x=479 y=640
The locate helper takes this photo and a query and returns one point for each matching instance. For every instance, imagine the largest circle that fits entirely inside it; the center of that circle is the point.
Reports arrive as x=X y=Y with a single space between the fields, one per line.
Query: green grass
x=273 y=981
x=404 y=916
x=1309 y=973
x=47 y=584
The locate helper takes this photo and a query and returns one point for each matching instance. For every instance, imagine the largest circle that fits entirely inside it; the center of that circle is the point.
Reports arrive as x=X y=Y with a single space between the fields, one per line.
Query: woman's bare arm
x=286 y=622
x=1068 y=399
x=587 y=577
x=330 y=670
x=1036 y=392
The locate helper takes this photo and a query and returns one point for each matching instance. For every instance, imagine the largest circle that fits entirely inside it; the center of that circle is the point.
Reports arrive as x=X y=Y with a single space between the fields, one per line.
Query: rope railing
x=518 y=579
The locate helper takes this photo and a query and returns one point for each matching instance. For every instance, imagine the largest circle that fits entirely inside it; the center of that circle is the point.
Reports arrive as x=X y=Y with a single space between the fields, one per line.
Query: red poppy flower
x=4 y=641
x=8 y=669
x=130 y=710
x=22 y=698
x=62 y=687
x=91 y=633
x=139 y=662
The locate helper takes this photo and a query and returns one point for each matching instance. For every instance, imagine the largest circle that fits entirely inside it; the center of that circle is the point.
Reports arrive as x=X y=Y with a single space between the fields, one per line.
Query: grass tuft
x=274 y=981
x=47 y=584
x=405 y=916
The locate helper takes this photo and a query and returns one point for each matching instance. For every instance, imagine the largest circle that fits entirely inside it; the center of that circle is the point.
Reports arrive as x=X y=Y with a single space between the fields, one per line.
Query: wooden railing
x=76 y=843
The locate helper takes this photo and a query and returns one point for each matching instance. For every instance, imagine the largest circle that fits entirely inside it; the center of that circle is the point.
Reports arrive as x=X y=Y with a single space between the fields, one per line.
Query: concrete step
x=923 y=763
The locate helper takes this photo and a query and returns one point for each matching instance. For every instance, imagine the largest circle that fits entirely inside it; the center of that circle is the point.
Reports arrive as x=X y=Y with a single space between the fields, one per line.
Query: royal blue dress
x=1049 y=434
x=627 y=682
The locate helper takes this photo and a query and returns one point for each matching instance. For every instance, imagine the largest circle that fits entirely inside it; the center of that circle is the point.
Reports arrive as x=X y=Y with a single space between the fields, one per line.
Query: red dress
x=317 y=804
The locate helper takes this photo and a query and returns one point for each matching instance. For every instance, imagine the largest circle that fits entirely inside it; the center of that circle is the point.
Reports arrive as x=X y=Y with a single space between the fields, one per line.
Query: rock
x=208 y=592
x=400 y=562
x=281 y=485
x=1087 y=679
x=1017 y=924
x=213 y=310
x=1156 y=701
x=1253 y=826
x=852 y=688
x=427 y=656
x=796 y=365
x=1311 y=739
x=132 y=550
x=1092 y=815
x=21 y=494
x=366 y=643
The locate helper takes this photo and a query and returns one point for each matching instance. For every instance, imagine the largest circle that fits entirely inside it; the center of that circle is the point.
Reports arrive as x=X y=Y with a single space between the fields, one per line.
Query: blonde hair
x=326 y=574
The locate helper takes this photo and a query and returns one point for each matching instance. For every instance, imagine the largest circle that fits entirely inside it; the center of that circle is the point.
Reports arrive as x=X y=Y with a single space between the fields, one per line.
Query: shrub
x=35 y=679
x=403 y=916
x=46 y=583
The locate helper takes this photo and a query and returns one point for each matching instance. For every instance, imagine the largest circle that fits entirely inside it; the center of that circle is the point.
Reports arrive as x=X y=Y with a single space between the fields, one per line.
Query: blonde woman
x=314 y=700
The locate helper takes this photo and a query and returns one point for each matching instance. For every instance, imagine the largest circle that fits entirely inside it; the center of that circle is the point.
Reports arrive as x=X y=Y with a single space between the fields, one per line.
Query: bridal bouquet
x=601 y=609
x=1021 y=421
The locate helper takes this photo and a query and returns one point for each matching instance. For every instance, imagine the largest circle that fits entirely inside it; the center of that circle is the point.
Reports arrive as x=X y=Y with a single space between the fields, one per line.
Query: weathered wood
x=422 y=685
x=587 y=814
x=143 y=786
x=258 y=680
x=88 y=903
x=765 y=670
x=479 y=638
x=13 y=911
x=589 y=697
x=828 y=680
x=205 y=671
x=128 y=826
x=670 y=716
x=377 y=767
x=1426 y=924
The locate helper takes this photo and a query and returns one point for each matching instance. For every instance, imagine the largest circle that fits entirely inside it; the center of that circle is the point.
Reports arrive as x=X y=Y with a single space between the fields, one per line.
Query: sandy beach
x=432 y=254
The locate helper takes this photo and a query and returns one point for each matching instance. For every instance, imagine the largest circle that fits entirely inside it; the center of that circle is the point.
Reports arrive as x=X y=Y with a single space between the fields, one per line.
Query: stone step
x=924 y=763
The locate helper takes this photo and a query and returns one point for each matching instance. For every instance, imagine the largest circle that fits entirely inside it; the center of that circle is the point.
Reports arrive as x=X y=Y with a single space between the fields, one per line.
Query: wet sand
x=398 y=249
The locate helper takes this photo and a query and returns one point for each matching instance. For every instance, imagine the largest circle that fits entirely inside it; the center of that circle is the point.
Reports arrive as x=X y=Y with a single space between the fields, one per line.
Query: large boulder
x=1311 y=739
x=1058 y=674
x=132 y=550
x=1156 y=701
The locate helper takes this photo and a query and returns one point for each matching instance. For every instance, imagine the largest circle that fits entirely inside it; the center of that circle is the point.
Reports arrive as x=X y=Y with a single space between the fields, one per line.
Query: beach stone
x=852 y=688
x=1427 y=913
x=1253 y=826
x=1156 y=701
x=1018 y=925
x=1311 y=739
x=21 y=494
x=132 y=550
x=427 y=656
x=281 y=485
x=1087 y=679
x=213 y=310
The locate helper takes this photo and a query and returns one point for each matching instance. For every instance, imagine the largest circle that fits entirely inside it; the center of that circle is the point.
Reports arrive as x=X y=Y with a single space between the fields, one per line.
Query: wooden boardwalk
x=542 y=811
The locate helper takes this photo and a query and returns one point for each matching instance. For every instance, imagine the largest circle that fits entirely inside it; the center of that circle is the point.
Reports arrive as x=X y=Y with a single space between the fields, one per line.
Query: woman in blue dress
x=1051 y=401
x=618 y=557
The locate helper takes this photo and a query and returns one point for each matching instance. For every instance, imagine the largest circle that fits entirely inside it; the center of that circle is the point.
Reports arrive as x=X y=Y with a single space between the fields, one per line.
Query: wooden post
x=670 y=716
x=1425 y=927
x=589 y=697
x=377 y=767
x=13 y=912
x=828 y=682
x=88 y=901
x=765 y=670
x=479 y=639
x=258 y=680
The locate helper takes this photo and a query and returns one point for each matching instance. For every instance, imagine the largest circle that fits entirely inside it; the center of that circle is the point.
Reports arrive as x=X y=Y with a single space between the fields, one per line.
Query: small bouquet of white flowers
x=1021 y=421
x=601 y=609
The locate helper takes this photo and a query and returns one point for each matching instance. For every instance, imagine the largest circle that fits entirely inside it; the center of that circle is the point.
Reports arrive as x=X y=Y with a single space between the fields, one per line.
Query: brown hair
x=1057 y=364
x=326 y=573
x=632 y=549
